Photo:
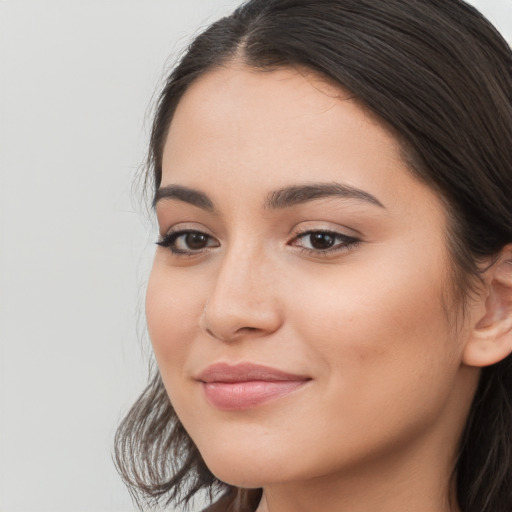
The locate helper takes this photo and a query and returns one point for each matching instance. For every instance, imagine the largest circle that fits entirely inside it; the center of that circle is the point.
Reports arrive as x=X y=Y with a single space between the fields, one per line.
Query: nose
x=243 y=299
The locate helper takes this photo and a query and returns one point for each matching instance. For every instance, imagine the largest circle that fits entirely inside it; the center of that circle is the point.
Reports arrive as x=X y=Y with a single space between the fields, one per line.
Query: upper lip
x=246 y=372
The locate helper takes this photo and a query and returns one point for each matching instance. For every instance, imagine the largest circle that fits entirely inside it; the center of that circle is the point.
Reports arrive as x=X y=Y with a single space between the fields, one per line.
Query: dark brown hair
x=439 y=75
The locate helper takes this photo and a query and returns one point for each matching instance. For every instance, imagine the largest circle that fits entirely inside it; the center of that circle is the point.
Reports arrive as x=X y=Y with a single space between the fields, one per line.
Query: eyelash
x=344 y=242
x=169 y=240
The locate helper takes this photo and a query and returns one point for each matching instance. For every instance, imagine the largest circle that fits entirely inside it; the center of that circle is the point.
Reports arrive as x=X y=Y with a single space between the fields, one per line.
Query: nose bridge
x=243 y=297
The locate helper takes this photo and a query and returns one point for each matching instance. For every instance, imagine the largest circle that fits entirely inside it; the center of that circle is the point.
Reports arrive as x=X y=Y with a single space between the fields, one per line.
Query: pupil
x=196 y=240
x=321 y=240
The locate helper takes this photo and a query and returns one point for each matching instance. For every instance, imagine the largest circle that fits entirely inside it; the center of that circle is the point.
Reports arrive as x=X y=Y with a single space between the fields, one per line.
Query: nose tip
x=229 y=322
x=242 y=303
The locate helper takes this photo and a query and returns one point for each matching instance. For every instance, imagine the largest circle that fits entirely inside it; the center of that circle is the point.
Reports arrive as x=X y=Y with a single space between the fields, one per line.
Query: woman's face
x=299 y=304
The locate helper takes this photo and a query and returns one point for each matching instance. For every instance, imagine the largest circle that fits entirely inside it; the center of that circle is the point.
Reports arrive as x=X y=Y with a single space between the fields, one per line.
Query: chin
x=248 y=465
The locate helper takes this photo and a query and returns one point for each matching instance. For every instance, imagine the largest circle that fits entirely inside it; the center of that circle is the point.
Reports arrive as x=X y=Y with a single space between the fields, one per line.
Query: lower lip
x=238 y=396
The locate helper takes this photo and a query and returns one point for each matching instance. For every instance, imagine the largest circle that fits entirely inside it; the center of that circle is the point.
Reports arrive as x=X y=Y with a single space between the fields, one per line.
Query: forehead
x=281 y=95
x=258 y=88
x=238 y=118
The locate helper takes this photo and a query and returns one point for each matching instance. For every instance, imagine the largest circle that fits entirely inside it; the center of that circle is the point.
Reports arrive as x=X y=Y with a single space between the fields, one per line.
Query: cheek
x=172 y=316
x=380 y=303
x=381 y=333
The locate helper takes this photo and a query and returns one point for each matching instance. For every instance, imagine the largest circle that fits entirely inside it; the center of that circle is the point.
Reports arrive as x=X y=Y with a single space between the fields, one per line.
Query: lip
x=246 y=385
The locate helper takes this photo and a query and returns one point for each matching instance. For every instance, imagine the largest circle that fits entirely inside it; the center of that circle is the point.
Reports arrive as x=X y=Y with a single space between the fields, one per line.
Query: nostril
x=247 y=330
x=230 y=318
x=233 y=336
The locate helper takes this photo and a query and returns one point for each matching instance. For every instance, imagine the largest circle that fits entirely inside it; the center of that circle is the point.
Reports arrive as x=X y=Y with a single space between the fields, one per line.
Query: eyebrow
x=282 y=198
x=291 y=196
x=185 y=194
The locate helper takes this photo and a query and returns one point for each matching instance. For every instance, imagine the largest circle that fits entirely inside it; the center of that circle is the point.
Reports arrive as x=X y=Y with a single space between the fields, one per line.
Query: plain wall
x=76 y=80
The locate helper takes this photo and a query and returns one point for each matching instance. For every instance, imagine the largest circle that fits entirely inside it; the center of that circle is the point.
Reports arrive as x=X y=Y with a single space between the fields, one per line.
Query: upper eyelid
x=299 y=230
x=327 y=232
x=184 y=231
x=184 y=226
x=294 y=233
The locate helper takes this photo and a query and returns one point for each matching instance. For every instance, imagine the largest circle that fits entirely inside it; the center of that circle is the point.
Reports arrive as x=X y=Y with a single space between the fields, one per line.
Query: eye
x=187 y=241
x=323 y=241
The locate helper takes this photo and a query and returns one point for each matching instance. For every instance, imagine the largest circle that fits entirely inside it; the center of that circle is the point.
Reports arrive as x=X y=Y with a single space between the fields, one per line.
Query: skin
x=377 y=425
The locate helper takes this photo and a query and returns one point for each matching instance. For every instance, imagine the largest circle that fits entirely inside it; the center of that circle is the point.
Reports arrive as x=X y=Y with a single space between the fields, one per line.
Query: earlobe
x=490 y=339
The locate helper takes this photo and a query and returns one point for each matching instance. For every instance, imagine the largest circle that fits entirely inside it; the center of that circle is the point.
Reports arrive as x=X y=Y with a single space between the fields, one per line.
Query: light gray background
x=76 y=80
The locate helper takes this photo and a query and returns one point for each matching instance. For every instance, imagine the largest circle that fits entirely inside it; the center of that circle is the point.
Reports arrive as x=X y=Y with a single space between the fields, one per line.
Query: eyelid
x=169 y=238
x=307 y=227
x=348 y=241
x=166 y=229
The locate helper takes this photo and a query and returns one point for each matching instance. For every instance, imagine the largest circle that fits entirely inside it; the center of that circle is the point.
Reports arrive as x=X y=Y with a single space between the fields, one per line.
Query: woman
x=330 y=303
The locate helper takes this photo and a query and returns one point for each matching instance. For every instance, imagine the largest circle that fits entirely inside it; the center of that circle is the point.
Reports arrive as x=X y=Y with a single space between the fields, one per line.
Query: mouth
x=245 y=386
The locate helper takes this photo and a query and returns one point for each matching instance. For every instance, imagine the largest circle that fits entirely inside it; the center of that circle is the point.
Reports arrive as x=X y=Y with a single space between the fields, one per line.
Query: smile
x=244 y=386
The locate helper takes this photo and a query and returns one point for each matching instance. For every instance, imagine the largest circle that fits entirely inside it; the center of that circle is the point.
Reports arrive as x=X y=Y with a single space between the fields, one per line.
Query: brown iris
x=321 y=241
x=196 y=241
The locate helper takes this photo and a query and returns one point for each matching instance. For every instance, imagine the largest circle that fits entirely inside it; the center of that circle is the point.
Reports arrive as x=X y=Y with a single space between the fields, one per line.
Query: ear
x=490 y=339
